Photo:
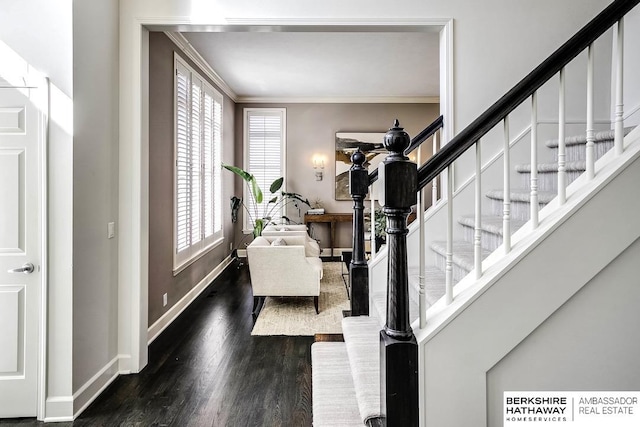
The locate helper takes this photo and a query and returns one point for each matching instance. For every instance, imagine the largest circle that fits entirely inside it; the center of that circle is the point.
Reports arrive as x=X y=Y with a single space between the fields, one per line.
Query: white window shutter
x=265 y=136
x=183 y=160
x=198 y=145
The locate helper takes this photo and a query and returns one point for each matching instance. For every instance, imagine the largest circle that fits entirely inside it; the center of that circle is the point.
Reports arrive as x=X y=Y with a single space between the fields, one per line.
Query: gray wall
x=311 y=129
x=95 y=187
x=600 y=321
x=161 y=160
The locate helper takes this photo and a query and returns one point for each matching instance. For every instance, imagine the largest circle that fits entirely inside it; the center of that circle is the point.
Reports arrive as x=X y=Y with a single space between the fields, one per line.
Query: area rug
x=297 y=315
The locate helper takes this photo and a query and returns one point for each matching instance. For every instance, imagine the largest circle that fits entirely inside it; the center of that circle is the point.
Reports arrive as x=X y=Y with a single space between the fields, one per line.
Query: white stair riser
x=577 y=152
x=519 y=210
x=547 y=181
x=458 y=271
x=488 y=240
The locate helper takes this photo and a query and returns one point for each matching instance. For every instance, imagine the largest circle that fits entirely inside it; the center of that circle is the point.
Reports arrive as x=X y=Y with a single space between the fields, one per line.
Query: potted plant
x=380 y=222
x=261 y=216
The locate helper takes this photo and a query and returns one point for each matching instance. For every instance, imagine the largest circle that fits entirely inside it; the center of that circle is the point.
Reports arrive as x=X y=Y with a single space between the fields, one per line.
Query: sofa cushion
x=279 y=242
x=260 y=241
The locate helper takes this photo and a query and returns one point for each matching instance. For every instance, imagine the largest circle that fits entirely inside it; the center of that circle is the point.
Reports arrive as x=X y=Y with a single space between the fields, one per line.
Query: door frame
x=133 y=250
x=38 y=94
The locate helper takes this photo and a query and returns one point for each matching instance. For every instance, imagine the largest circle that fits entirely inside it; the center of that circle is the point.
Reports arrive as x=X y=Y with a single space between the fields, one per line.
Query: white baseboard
x=95 y=386
x=163 y=322
x=124 y=364
x=58 y=409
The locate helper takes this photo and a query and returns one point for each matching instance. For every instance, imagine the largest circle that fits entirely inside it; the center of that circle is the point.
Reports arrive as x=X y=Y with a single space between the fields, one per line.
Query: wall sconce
x=318 y=165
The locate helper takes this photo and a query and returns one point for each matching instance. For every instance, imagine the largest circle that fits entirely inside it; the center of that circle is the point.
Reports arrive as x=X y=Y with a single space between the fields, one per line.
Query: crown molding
x=359 y=24
x=341 y=100
x=192 y=53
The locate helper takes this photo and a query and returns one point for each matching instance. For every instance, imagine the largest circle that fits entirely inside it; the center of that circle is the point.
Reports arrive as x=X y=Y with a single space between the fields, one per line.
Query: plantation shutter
x=198 y=141
x=265 y=135
x=183 y=159
x=217 y=163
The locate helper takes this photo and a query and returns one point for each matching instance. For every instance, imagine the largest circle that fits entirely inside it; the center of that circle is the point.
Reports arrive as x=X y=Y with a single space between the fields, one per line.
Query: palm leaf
x=276 y=185
x=240 y=172
x=258 y=227
x=255 y=188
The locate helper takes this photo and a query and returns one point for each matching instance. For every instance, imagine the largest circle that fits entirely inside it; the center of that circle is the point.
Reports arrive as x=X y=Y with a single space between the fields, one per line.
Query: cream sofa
x=312 y=247
x=284 y=270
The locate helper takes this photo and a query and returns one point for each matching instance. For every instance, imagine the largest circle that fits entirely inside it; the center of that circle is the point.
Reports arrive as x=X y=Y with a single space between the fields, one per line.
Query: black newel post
x=398 y=346
x=358 y=269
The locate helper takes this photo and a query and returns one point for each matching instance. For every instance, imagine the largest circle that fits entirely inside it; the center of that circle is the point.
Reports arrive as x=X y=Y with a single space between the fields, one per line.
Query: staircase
x=507 y=289
x=347 y=374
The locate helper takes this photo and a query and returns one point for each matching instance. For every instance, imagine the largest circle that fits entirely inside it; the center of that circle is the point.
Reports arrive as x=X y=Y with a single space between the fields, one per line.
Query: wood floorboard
x=207 y=370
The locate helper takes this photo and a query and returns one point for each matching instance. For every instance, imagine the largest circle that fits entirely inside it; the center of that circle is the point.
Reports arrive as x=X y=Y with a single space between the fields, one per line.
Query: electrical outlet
x=111 y=230
x=164 y=300
x=230 y=246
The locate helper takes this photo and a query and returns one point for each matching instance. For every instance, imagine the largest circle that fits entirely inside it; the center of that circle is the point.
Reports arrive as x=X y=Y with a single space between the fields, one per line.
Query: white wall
x=601 y=321
x=95 y=194
x=40 y=31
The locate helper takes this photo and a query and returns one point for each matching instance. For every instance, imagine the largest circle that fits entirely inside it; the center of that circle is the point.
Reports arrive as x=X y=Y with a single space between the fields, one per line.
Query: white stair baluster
x=619 y=123
x=422 y=301
x=506 y=212
x=562 y=178
x=449 y=253
x=534 y=161
x=434 y=183
x=590 y=155
x=477 y=238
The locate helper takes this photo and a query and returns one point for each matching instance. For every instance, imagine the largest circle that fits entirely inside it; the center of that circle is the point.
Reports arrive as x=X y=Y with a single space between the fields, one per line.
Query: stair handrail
x=416 y=141
x=522 y=90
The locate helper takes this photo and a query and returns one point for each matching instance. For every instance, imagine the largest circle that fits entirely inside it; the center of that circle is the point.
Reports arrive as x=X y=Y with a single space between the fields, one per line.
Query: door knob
x=26 y=269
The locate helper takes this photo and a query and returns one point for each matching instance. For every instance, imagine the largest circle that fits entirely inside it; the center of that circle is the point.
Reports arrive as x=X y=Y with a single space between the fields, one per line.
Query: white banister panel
x=590 y=155
x=619 y=124
x=477 y=236
x=562 y=177
x=534 y=161
x=506 y=212
x=449 y=253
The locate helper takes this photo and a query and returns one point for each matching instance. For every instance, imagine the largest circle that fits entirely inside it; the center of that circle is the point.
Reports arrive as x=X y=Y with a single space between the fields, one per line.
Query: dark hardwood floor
x=207 y=370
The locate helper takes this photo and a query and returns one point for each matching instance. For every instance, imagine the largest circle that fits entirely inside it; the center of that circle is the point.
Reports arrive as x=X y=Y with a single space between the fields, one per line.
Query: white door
x=21 y=147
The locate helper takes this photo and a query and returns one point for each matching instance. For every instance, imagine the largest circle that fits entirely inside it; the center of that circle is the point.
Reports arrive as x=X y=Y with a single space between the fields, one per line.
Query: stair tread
x=490 y=223
x=334 y=397
x=521 y=195
x=602 y=136
x=463 y=253
x=362 y=338
x=580 y=166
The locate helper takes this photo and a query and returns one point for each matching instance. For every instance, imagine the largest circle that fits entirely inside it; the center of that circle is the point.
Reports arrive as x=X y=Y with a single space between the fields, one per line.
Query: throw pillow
x=279 y=242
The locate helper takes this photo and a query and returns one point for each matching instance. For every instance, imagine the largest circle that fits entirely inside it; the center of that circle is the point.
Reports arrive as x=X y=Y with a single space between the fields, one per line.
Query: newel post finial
x=358 y=158
x=396 y=140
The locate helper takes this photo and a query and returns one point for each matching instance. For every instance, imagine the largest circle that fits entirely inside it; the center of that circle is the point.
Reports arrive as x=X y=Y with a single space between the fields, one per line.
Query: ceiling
x=329 y=65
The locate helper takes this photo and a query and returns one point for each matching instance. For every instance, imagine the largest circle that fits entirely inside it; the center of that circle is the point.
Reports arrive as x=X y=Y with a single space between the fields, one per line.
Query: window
x=264 y=147
x=197 y=174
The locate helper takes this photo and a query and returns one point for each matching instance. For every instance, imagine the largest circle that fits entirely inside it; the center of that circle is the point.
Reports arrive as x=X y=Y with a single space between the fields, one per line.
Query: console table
x=332 y=219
